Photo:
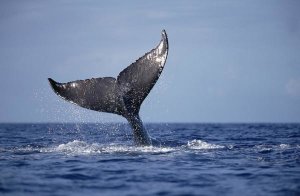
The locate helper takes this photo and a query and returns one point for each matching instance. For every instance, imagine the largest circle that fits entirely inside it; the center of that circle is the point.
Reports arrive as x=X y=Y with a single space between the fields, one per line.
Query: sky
x=229 y=61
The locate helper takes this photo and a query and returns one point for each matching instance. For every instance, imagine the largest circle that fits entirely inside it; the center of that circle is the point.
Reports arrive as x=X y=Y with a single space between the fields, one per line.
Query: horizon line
x=155 y=122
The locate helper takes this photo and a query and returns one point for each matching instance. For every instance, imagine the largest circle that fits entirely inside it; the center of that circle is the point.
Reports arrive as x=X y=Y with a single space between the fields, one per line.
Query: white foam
x=77 y=147
x=201 y=145
x=284 y=146
x=145 y=149
x=280 y=147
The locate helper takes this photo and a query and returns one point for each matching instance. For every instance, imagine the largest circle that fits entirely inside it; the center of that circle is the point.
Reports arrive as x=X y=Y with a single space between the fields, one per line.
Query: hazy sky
x=229 y=61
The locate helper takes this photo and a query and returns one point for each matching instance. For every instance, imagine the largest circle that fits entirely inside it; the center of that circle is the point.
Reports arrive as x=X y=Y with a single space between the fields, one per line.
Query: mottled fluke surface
x=196 y=159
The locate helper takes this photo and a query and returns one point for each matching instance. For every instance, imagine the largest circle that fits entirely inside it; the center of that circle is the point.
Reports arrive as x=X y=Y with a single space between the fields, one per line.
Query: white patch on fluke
x=160 y=47
x=73 y=85
x=161 y=59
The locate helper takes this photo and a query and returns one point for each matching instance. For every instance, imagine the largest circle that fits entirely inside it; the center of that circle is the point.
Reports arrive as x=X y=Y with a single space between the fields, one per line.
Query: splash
x=284 y=146
x=77 y=147
x=201 y=145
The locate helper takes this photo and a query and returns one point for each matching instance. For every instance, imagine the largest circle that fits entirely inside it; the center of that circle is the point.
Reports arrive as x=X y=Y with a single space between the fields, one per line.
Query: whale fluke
x=122 y=95
x=99 y=94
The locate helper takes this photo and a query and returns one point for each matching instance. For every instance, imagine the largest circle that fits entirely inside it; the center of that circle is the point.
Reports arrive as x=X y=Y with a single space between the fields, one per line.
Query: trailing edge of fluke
x=122 y=95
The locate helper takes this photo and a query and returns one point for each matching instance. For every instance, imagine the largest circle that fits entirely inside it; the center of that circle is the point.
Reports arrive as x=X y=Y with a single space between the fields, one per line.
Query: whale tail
x=122 y=95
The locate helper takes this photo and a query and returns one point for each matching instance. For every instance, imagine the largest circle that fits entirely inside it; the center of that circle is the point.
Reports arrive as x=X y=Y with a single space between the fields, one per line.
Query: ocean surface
x=194 y=159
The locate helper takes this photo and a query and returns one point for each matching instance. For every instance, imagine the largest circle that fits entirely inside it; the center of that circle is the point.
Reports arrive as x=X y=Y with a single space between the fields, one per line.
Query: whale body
x=122 y=95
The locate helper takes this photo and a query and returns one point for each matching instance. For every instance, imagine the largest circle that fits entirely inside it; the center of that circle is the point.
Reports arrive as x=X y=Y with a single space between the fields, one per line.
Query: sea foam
x=201 y=145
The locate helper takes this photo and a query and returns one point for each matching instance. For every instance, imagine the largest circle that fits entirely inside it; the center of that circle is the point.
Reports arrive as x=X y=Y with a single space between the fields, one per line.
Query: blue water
x=195 y=159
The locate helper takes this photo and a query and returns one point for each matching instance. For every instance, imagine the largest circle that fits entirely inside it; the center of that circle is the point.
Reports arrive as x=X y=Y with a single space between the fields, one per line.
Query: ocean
x=193 y=159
